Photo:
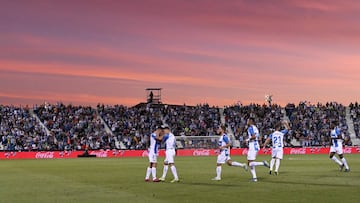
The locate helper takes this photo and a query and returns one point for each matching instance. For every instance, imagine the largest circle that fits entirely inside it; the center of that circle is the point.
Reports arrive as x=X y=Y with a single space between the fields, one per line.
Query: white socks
x=166 y=167
x=218 y=171
x=336 y=160
x=252 y=170
x=272 y=162
x=148 y=171
x=174 y=172
x=234 y=163
x=277 y=165
x=153 y=172
x=254 y=163
x=345 y=163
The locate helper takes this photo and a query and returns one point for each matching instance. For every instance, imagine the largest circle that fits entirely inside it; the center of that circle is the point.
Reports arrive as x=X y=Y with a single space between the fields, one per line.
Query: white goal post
x=203 y=142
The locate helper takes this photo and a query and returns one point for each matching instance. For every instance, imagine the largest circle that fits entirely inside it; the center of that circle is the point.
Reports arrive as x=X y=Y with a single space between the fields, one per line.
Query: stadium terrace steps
x=118 y=144
x=107 y=129
x=31 y=111
x=351 y=130
x=121 y=144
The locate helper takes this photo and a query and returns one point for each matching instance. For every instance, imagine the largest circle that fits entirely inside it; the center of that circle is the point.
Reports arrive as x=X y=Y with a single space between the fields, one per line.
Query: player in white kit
x=277 y=138
x=254 y=147
x=170 y=145
x=155 y=140
x=224 y=155
x=337 y=147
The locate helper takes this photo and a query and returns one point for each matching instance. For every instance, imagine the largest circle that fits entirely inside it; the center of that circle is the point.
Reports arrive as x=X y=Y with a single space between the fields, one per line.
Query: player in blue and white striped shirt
x=337 y=147
x=224 y=155
x=254 y=147
x=170 y=145
x=277 y=138
x=155 y=140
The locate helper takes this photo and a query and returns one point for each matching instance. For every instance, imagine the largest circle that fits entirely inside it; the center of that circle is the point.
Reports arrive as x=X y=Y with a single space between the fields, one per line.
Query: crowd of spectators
x=74 y=127
x=68 y=127
x=311 y=123
x=132 y=126
x=266 y=116
x=199 y=120
x=355 y=116
x=20 y=131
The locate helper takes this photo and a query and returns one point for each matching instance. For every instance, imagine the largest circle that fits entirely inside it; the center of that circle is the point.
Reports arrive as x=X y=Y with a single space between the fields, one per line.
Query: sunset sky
x=199 y=51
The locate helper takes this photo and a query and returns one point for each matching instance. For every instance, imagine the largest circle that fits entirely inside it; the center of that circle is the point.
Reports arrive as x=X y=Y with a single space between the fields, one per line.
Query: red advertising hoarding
x=144 y=153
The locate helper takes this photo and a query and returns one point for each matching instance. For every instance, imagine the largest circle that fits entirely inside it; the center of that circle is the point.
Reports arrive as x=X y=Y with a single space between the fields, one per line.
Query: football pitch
x=302 y=178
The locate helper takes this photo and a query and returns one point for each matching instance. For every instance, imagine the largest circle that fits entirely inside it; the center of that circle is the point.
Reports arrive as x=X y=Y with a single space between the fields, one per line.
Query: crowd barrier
x=144 y=153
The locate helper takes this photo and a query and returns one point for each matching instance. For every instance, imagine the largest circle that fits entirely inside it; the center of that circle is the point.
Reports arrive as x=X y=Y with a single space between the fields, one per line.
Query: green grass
x=303 y=178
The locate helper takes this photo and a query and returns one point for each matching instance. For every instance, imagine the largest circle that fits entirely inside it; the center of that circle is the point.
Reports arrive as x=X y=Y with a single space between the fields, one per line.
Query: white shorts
x=169 y=156
x=277 y=153
x=223 y=157
x=251 y=156
x=152 y=157
x=253 y=151
x=338 y=149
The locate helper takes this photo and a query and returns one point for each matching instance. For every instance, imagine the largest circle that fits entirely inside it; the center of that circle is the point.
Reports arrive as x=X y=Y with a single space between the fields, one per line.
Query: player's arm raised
x=267 y=141
x=286 y=125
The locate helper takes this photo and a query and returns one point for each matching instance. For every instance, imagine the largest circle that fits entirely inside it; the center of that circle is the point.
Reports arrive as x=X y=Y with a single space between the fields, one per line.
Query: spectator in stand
x=20 y=130
x=72 y=127
x=75 y=126
x=310 y=122
x=236 y=117
x=355 y=116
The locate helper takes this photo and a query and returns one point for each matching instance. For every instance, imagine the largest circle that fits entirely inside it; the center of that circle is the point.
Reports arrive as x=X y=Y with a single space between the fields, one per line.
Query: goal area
x=201 y=142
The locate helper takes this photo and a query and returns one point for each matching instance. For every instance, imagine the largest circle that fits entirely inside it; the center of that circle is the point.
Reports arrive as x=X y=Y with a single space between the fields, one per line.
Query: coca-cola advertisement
x=44 y=155
x=298 y=151
x=201 y=152
x=102 y=154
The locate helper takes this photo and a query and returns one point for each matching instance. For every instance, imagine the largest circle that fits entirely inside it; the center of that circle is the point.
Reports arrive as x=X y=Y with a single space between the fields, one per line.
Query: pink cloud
x=218 y=53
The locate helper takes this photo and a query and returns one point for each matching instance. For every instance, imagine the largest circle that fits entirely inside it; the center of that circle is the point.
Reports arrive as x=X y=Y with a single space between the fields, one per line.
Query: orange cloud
x=220 y=53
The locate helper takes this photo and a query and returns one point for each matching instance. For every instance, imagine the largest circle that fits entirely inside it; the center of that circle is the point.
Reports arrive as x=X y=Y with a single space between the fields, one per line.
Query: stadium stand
x=265 y=117
x=74 y=127
x=60 y=127
x=19 y=130
x=354 y=114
